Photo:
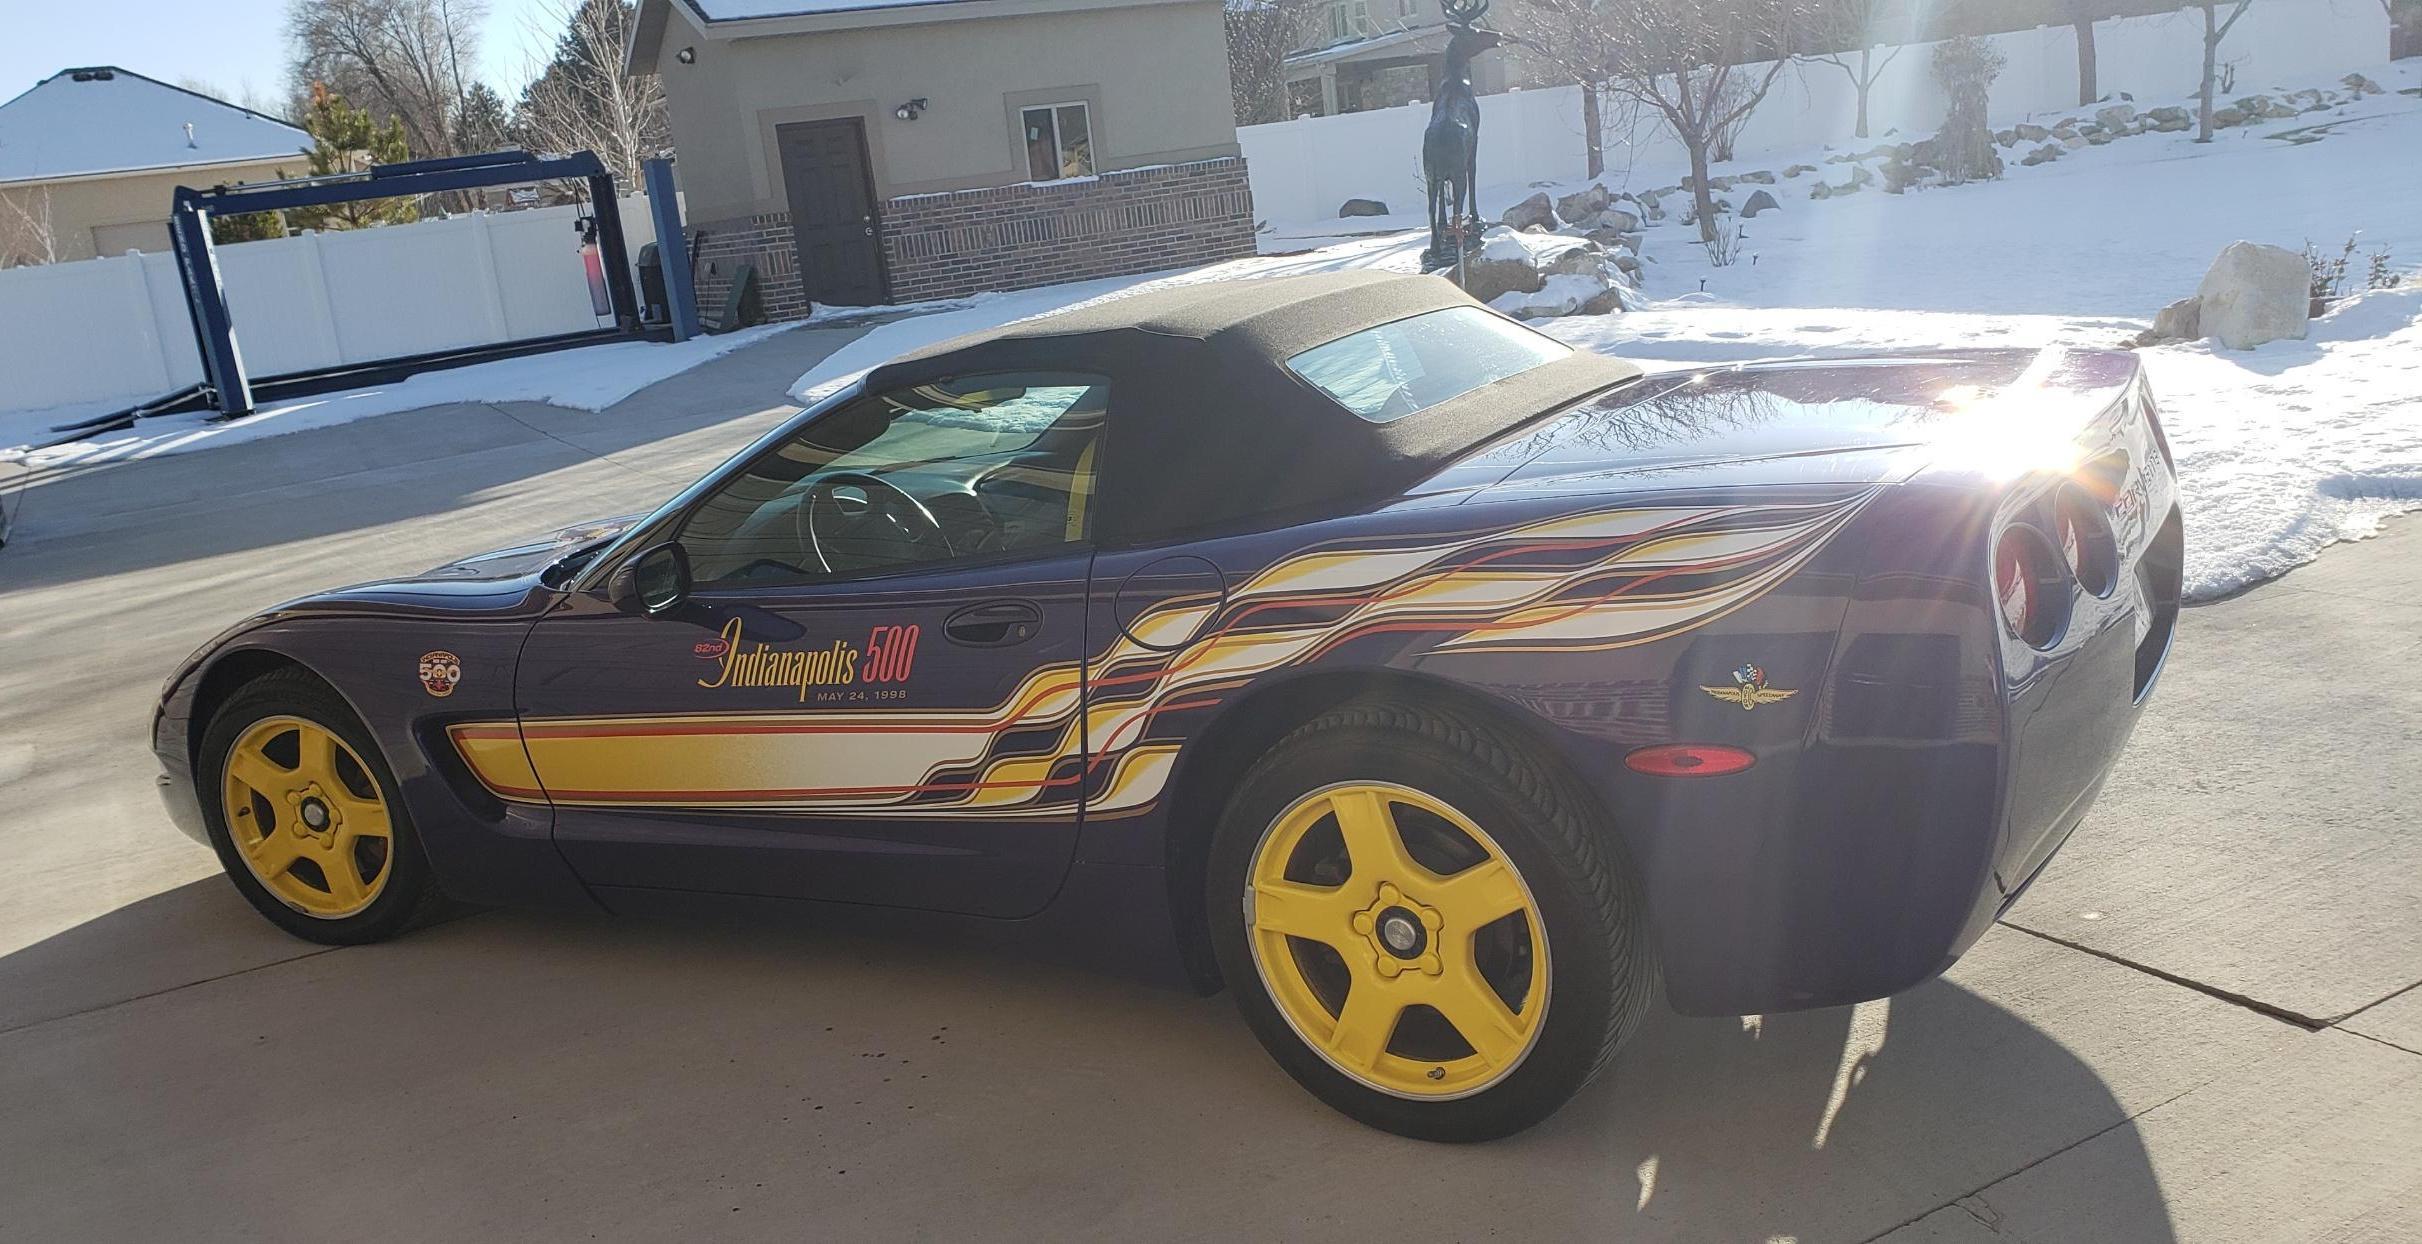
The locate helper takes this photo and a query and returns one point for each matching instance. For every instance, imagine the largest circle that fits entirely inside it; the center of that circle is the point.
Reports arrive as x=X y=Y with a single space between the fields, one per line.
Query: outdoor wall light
x=909 y=110
x=687 y=56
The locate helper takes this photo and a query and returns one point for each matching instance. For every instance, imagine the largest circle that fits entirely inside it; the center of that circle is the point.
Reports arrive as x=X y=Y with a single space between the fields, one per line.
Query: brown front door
x=832 y=201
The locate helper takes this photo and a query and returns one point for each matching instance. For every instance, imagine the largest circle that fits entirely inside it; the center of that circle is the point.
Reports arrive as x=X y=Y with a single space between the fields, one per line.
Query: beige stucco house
x=89 y=159
x=870 y=151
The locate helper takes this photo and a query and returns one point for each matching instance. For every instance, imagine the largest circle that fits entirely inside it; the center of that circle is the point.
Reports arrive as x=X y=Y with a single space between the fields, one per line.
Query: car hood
x=1860 y=420
x=504 y=581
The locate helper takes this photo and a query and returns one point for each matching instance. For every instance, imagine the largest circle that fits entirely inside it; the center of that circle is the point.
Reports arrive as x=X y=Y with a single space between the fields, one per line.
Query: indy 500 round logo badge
x=439 y=672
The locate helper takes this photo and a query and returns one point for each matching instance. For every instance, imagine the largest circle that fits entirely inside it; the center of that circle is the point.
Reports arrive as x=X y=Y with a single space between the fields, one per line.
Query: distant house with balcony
x=1354 y=55
x=857 y=152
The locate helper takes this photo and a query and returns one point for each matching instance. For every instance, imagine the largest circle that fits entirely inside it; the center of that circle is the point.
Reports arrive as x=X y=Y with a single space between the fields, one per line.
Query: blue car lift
x=227 y=388
x=197 y=262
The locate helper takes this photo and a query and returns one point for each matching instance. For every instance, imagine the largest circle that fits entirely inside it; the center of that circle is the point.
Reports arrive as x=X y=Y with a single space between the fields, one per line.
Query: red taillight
x=2085 y=541
x=2027 y=584
x=1689 y=760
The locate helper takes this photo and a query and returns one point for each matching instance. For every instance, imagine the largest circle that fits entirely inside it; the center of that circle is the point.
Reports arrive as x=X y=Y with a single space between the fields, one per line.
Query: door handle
x=994 y=624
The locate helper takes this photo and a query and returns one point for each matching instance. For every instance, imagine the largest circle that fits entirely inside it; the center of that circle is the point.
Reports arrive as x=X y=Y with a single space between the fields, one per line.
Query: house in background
x=869 y=151
x=1361 y=54
x=89 y=159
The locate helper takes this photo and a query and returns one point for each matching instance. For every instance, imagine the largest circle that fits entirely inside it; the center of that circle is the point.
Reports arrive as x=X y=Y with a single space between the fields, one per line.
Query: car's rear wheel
x=302 y=810
x=1420 y=926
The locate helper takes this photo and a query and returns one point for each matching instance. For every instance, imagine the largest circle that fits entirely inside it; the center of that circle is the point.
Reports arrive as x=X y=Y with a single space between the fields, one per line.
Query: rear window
x=1383 y=374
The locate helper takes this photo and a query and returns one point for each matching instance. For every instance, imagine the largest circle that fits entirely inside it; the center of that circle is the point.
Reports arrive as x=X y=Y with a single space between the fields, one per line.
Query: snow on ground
x=2281 y=450
x=587 y=378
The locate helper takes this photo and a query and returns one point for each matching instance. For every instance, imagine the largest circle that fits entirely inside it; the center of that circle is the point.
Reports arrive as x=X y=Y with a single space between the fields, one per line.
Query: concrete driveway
x=2197 y=1026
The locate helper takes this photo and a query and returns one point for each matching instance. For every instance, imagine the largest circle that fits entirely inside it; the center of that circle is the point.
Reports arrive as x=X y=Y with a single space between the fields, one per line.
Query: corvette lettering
x=887 y=657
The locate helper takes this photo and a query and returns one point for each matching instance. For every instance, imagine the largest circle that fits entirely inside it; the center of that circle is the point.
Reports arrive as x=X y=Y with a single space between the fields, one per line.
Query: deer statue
x=1450 y=147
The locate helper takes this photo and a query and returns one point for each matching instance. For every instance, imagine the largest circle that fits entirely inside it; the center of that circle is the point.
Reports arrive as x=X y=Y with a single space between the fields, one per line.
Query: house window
x=1349 y=19
x=1059 y=141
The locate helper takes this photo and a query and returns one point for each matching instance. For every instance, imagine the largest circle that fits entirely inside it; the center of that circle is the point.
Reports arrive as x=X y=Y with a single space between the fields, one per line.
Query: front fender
x=480 y=849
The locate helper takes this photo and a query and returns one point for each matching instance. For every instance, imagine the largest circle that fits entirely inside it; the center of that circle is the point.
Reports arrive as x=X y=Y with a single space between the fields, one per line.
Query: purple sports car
x=1447 y=693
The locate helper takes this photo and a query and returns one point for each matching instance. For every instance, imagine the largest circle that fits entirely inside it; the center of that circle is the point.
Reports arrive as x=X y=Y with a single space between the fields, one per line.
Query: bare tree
x=1702 y=66
x=580 y=99
x=1848 y=32
x=2215 y=29
x=398 y=58
x=1261 y=33
x=26 y=236
x=2081 y=19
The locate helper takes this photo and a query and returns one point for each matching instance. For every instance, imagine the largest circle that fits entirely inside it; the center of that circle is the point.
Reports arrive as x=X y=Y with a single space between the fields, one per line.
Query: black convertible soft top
x=1206 y=423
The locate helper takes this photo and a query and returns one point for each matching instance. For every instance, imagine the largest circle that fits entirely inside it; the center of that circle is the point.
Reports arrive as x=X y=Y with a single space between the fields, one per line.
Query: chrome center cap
x=1400 y=932
x=315 y=814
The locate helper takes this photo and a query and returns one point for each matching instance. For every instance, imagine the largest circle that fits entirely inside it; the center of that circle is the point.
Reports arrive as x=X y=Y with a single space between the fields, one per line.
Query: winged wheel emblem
x=1749 y=689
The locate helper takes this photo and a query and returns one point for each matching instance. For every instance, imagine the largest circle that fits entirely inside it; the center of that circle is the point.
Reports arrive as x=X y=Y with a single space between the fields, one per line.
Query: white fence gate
x=116 y=329
x=1302 y=170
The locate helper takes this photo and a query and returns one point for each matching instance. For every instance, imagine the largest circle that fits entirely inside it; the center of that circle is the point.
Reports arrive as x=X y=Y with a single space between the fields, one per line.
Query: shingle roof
x=82 y=122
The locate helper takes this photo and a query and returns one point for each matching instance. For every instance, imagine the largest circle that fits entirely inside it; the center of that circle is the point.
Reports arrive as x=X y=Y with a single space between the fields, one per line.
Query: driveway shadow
x=547 y=1077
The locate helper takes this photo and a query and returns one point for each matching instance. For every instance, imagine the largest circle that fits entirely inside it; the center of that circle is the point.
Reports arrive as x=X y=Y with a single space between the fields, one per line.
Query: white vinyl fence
x=1302 y=170
x=114 y=329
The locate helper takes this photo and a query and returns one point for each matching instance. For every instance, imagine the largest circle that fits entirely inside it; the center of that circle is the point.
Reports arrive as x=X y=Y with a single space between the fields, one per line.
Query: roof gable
x=87 y=122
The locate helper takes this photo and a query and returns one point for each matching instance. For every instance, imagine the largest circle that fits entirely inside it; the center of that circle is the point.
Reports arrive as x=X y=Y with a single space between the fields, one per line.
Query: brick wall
x=1008 y=237
x=761 y=240
x=1016 y=237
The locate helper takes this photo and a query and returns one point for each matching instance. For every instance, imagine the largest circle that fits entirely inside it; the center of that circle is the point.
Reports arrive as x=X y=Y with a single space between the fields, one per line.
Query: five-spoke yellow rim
x=307 y=817
x=1398 y=940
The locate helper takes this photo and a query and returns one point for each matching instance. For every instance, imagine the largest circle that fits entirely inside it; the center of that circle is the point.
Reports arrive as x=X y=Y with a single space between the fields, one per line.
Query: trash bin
x=653 y=307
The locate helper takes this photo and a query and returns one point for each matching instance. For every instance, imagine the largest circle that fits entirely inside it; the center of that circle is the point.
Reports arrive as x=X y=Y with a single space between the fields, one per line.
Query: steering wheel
x=894 y=515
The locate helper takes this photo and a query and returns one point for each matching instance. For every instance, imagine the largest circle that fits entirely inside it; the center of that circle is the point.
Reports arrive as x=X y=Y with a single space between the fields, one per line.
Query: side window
x=1059 y=141
x=980 y=467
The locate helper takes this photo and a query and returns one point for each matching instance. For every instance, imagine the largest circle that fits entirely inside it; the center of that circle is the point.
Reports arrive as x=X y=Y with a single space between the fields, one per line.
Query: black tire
x=1585 y=892
x=409 y=895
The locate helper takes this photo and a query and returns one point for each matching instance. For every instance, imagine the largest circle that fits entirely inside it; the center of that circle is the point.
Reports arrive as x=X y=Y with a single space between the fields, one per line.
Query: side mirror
x=652 y=582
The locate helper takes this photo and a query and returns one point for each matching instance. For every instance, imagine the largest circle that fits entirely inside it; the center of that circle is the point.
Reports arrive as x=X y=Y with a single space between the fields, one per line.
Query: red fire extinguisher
x=593 y=264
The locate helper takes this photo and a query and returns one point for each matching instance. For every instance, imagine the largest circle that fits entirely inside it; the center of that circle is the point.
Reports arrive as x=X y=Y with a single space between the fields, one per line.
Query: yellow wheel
x=1398 y=940
x=1429 y=927
x=305 y=815
x=307 y=818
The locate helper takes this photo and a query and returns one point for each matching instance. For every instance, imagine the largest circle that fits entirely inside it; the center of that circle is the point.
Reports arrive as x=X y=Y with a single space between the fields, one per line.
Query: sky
x=236 y=47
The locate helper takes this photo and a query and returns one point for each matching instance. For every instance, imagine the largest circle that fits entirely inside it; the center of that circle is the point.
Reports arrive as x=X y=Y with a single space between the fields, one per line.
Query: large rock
x=2168 y=113
x=2044 y=154
x=1362 y=207
x=1619 y=219
x=2115 y=117
x=2256 y=293
x=1583 y=204
x=2360 y=85
x=1564 y=294
x=2031 y=133
x=1533 y=211
x=1759 y=202
x=2180 y=321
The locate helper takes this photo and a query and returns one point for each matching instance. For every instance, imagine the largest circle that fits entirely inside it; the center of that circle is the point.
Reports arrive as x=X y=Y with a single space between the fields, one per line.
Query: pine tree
x=482 y=124
x=346 y=140
x=247 y=226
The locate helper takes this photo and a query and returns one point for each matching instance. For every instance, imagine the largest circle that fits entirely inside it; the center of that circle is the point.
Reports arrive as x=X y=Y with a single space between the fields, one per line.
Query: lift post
x=197 y=262
x=672 y=247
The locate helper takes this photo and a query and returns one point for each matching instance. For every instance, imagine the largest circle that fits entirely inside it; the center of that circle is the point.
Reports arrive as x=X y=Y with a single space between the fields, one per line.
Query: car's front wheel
x=302 y=809
x=1421 y=927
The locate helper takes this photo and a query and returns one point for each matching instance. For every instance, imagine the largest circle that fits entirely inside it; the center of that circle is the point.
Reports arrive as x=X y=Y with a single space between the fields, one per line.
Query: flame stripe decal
x=1583 y=582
